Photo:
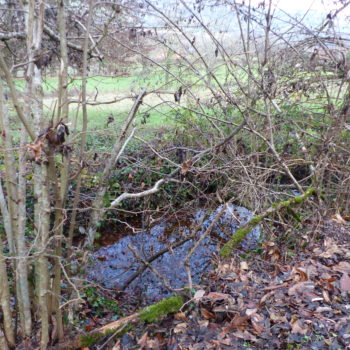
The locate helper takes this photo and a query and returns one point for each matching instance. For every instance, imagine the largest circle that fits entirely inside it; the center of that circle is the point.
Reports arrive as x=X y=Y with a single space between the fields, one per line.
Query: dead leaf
x=302 y=273
x=345 y=283
x=338 y=219
x=117 y=345
x=181 y=316
x=186 y=166
x=250 y=312
x=298 y=328
x=323 y=309
x=152 y=344
x=276 y=318
x=199 y=294
x=245 y=335
x=328 y=242
x=37 y=148
x=236 y=322
x=257 y=323
x=207 y=314
x=266 y=245
x=326 y=297
x=301 y=287
x=226 y=342
x=266 y=297
x=180 y=328
x=143 y=340
x=331 y=248
x=217 y=296
x=203 y=323
x=276 y=286
x=343 y=266
x=244 y=265
x=88 y=327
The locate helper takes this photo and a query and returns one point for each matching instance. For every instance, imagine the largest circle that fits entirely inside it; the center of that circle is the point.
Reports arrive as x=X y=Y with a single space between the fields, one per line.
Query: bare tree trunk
x=60 y=189
x=3 y=341
x=15 y=207
x=41 y=184
x=5 y=217
x=85 y=122
x=21 y=241
x=5 y=301
x=62 y=111
x=8 y=214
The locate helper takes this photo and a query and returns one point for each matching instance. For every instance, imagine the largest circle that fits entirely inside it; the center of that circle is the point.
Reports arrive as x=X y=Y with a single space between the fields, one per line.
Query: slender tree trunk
x=5 y=301
x=16 y=199
x=85 y=122
x=60 y=189
x=8 y=214
x=41 y=182
x=3 y=341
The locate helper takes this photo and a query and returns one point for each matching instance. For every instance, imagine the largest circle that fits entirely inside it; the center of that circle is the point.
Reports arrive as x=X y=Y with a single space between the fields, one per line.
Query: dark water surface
x=113 y=265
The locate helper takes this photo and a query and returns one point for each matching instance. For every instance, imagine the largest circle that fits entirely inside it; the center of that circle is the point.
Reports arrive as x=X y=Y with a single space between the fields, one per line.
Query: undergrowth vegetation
x=120 y=117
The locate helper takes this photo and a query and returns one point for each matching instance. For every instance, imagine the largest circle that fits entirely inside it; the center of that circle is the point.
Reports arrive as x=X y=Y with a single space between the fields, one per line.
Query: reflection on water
x=114 y=264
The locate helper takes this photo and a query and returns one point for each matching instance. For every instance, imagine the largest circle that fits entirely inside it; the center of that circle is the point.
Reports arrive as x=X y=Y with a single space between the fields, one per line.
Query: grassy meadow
x=109 y=88
x=159 y=111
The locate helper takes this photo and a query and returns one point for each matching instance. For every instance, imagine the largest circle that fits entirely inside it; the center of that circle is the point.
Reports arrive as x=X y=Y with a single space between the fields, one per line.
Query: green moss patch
x=164 y=307
x=242 y=232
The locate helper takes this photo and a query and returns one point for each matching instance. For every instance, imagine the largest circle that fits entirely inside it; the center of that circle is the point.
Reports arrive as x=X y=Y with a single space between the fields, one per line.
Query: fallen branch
x=242 y=232
x=148 y=314
x=143 y=267
x=199 y=241
x=154 y=271
x=145 y=193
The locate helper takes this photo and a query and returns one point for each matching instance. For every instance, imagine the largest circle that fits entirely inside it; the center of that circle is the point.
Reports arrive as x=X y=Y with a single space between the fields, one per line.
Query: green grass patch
x=135 y=81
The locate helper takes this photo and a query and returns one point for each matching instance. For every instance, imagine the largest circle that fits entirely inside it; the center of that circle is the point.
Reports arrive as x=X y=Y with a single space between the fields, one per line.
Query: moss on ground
x=164 y=307
x=92 y=338
x=242 y=232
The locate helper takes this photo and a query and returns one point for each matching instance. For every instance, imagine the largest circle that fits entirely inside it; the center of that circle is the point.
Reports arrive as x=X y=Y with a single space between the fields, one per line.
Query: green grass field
x=137 y=79
x=104 y=88
x=158 y=109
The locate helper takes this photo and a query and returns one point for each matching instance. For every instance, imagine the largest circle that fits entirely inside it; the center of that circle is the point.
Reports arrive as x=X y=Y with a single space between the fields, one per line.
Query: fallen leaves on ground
x=267 y=303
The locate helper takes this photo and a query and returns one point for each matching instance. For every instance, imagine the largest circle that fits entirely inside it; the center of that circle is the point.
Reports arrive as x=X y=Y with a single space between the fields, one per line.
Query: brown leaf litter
x=267 y=303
